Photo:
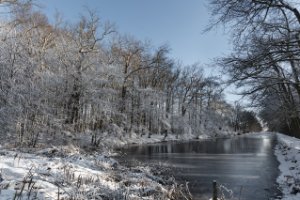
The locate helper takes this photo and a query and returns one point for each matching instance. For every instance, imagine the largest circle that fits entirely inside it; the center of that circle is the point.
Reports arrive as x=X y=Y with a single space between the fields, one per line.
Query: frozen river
x=244 y=164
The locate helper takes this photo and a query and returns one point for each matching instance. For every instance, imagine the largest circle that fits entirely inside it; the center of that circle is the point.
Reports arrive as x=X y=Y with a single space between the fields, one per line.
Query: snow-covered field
x=288 y=154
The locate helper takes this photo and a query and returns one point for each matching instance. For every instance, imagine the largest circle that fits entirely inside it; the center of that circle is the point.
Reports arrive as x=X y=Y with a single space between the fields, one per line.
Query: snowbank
x=288 y=154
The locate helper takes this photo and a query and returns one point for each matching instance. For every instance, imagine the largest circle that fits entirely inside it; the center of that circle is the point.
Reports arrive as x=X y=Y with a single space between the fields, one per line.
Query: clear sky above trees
x=175 y=22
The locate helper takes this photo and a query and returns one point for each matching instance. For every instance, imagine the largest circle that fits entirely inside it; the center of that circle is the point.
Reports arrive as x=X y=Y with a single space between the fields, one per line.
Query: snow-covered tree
x=265 y=62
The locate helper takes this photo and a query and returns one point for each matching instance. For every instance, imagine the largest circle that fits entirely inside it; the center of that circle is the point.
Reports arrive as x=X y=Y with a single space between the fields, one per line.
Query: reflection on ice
x=219 y=146
x=246 y=161
x=239 y=176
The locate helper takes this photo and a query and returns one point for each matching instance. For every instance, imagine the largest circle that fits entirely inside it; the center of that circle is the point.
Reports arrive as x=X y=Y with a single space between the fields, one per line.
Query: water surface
x=244 y=164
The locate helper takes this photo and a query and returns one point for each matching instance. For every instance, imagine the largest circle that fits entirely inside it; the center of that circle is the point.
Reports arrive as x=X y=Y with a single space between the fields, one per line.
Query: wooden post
x=215 y=191
x=57 y=192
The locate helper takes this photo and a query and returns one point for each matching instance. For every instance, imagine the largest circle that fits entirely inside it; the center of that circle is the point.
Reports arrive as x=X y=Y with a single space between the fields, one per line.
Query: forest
x=88 y=78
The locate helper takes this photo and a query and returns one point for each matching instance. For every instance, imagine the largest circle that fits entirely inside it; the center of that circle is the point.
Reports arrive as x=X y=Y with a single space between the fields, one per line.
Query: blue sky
x=178 y=23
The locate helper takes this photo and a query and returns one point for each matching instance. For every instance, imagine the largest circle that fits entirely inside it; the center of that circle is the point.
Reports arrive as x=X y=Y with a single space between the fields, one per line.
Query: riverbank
x=122 y=141
x=287 y=152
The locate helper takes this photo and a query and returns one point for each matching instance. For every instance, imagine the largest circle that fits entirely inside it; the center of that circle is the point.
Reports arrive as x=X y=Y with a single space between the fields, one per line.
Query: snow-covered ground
x=288 y=154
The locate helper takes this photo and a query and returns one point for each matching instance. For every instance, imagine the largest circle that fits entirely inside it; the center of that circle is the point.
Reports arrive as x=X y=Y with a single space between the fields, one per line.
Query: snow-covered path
x=288 y=154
